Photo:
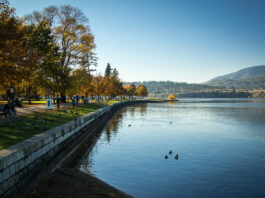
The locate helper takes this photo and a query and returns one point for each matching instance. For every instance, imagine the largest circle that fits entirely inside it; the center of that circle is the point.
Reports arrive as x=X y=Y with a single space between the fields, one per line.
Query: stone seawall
x=22 y=163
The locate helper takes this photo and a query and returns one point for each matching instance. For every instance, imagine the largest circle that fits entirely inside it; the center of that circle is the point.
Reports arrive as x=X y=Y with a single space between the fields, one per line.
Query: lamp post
x=12 y=92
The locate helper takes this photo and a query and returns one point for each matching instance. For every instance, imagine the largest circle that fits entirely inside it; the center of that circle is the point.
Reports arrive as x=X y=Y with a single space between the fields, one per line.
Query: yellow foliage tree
x=81 y=83
x=12 y=49
x=171 y=97
x=130 y=90
x=114 y=87
x=99 y=85
x=73 y=36
x=141 y=90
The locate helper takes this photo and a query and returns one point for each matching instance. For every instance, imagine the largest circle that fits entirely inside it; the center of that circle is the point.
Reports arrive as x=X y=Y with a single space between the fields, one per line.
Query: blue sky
x=178 y=40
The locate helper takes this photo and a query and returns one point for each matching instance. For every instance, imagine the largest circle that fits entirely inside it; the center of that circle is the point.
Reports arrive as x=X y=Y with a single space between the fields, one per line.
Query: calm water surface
x=221 y=147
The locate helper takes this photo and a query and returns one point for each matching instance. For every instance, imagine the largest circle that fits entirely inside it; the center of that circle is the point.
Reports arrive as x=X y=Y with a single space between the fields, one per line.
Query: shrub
x=171 y=97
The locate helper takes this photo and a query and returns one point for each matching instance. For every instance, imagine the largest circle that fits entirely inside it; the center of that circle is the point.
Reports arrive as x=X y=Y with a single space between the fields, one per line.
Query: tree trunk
x=85 y=99
x=63 y=97
x=29 y=94
x=53 y=96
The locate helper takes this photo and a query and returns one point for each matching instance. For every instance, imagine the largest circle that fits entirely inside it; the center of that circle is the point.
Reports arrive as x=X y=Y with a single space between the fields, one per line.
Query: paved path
x=32 y=109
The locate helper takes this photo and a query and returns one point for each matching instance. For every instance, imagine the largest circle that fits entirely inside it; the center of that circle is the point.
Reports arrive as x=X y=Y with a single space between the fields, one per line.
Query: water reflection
x=220 y=144
x=114 y=124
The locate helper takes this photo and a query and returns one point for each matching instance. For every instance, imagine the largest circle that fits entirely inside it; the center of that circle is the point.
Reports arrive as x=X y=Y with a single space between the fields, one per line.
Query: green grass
x=15 y=131
x=26 y=102
x=110 y=102
x=35 y=102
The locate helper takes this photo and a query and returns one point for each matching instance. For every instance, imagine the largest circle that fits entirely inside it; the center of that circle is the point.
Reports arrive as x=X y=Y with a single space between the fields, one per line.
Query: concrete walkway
x=32 y=109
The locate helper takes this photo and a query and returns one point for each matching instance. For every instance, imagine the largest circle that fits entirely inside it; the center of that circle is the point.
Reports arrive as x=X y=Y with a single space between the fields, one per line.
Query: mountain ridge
x=247 y=78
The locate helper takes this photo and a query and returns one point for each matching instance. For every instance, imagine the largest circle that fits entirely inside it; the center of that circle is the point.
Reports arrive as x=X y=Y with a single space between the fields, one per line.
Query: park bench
x=2 y=112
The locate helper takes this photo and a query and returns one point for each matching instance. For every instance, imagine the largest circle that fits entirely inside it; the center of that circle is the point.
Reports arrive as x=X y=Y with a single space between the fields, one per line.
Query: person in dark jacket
x=11 y=109
x=18 y=103
x=77 y=99
x=73 y=102
x=58 y=101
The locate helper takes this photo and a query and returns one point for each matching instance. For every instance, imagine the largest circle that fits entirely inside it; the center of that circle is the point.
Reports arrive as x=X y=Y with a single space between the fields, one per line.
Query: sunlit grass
x=26 y=126
x=35 y=102
x=15 y=131
x=27 y=102
x=110 y=102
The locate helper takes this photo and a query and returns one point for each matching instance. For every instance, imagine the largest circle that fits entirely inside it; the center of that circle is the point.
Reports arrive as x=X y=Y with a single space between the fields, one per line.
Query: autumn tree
x=130 y=90
x=99 y=85
x=141 y=90
x=12 y=47
x=114 y=86
x=171 y=97
x=75 y=41
x=42 y=56
x=82 y=82
x=53 y=52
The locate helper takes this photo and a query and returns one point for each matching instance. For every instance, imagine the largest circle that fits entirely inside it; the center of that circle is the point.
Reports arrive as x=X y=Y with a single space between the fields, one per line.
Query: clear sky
x=178 y=40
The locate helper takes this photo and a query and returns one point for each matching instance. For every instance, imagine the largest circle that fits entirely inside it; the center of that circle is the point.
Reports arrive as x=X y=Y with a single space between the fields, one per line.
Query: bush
x=171 y=97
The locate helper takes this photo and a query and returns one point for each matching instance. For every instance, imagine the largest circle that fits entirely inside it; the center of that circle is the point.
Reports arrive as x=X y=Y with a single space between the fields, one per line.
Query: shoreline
x=60 y=147
x=69 y=183
x=55 y=182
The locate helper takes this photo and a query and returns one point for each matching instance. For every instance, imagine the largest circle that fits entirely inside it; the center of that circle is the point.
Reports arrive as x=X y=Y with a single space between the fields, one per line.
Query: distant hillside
x=249 y=78
x=163 y=88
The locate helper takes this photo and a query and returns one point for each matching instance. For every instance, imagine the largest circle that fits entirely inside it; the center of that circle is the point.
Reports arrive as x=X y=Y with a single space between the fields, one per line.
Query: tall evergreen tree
x=108 y=70
x=115 y=72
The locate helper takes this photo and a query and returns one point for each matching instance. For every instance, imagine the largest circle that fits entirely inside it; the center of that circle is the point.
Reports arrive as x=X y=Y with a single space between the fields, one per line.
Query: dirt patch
x=69 y=183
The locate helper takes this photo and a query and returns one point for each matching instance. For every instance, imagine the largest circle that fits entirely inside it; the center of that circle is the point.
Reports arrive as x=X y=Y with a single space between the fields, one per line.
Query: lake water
x=220 y=143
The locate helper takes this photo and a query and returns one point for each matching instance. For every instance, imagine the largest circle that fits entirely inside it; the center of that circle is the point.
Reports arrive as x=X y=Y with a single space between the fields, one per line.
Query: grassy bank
x=13 y=132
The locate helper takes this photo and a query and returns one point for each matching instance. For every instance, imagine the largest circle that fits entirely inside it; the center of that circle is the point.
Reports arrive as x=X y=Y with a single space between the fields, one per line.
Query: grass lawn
x=35 y=102
x=110 y=102
x=15 y=131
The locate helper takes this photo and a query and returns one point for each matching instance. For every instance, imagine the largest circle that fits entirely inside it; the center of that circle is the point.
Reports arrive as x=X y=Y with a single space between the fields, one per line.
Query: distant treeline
x=216 y=94
x=162 y=89
x=225 y=94
x=167 y=87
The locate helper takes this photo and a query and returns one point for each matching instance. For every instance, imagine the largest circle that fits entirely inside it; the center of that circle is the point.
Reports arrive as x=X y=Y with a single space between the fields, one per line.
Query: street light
x=12 y=92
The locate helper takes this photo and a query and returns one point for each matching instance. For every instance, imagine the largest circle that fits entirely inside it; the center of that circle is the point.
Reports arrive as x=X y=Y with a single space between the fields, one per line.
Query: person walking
x=73 y=102
x=77 y=99
x=58 y=101
x=11 y=106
